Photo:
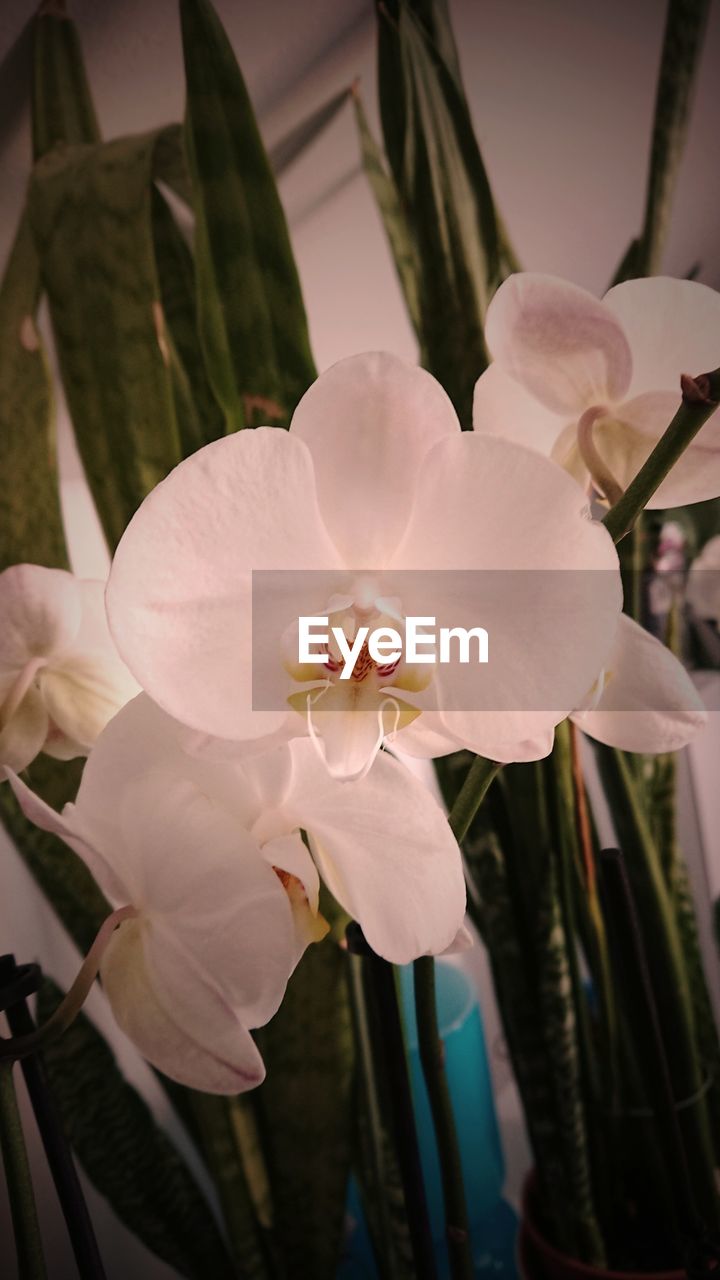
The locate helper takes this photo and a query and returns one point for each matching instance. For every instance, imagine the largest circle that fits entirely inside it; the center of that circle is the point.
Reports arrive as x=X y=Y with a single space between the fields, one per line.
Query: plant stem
x=20 y=1046
x=28 y=1242
x=471 y=795
x=432 y=1058
x=59 y=1155
x=699 y=402
x=391 y=1047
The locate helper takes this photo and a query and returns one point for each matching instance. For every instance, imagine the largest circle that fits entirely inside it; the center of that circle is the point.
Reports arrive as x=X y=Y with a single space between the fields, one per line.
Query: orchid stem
x=471 y=795
x=700 y=400
x=28 y=1242
x=390 y=1046
x=20 y=1046
x=432 y=1058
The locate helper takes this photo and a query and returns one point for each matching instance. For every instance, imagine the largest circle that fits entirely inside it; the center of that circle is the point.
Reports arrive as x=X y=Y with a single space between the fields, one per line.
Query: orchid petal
x=648 y=701
x=673 y=327
x=550 y=606
x=71 y=828
x=24 y=734
x=504 y=407
x=626 y=438
x=385 y=851
x=348 y=723
x=179 y=596
x=201 y=879
x=368 y=422
x=559 y=342
x=41 y=611
x=219 y=1058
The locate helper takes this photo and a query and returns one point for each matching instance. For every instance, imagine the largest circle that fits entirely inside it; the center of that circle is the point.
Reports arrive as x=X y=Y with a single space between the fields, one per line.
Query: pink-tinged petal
x=70 y=827
x=216 y=1054
x=81 y=696
x=40 y=611
x=648 y=702
x=563 y=345
x=463 y=941
x=368 y=422
x=673 y=327
x=202 y=883
x=626 y=439
x=549 y=598
x=179 y=595
x=426 y=738
x=506 y=737
x=24 y=734
x=384 y=848
x=290 y=858
x=348 y=722
x=502 y=406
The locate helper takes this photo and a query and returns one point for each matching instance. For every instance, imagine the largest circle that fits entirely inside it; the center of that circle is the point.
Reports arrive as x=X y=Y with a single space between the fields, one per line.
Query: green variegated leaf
x=63 y=109
x=126 y=1155
x=305 y=1112
x=444 y=191
x=91 y=212
x=30 y=519
x=252 y=320
x=198 y=414
x=237 y=1168
x=400 y=239
x=682 y=45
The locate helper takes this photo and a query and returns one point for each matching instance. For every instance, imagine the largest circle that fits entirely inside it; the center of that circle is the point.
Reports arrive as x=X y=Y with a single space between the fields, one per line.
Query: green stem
x=28 y=1243
x=432 y=1058
x=471 y=795
x=699 y=402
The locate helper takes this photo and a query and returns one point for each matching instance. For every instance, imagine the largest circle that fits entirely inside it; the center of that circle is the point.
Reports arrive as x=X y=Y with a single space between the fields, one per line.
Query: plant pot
x=540 y=1260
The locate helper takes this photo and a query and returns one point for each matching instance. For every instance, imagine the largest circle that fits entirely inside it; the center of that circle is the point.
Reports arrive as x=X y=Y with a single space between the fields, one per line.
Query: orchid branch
x=28 y=1242
x=20 y=1046
x=432 y=1058
x=700 y=398
x=471 y=795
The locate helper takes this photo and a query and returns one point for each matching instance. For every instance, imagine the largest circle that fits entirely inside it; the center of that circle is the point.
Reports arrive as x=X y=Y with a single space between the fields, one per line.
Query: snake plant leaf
x=682 y=45
x=91 y=212
x=30 y=520
x=252 y=319
x=306 y=1112
x=62 y=107
x=199 y=417
x=129 y=1159
x=232 y=1160
x=445 y=193
x=400 y=238
x=31 y=530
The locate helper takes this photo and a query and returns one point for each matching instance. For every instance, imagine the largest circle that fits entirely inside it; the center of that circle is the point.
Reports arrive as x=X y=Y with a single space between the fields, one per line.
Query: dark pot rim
x=564 y=1263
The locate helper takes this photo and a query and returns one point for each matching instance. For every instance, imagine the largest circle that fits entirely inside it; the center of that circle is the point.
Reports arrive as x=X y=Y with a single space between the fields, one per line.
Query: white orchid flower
x=374 y=477
x=595 y=383
x=211 y=857
x=703 y=586
x=61 y=678
x=644 y=700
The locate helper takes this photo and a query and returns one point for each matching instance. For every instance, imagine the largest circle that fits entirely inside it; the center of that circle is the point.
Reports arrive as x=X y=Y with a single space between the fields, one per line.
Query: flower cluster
x=217 y=821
